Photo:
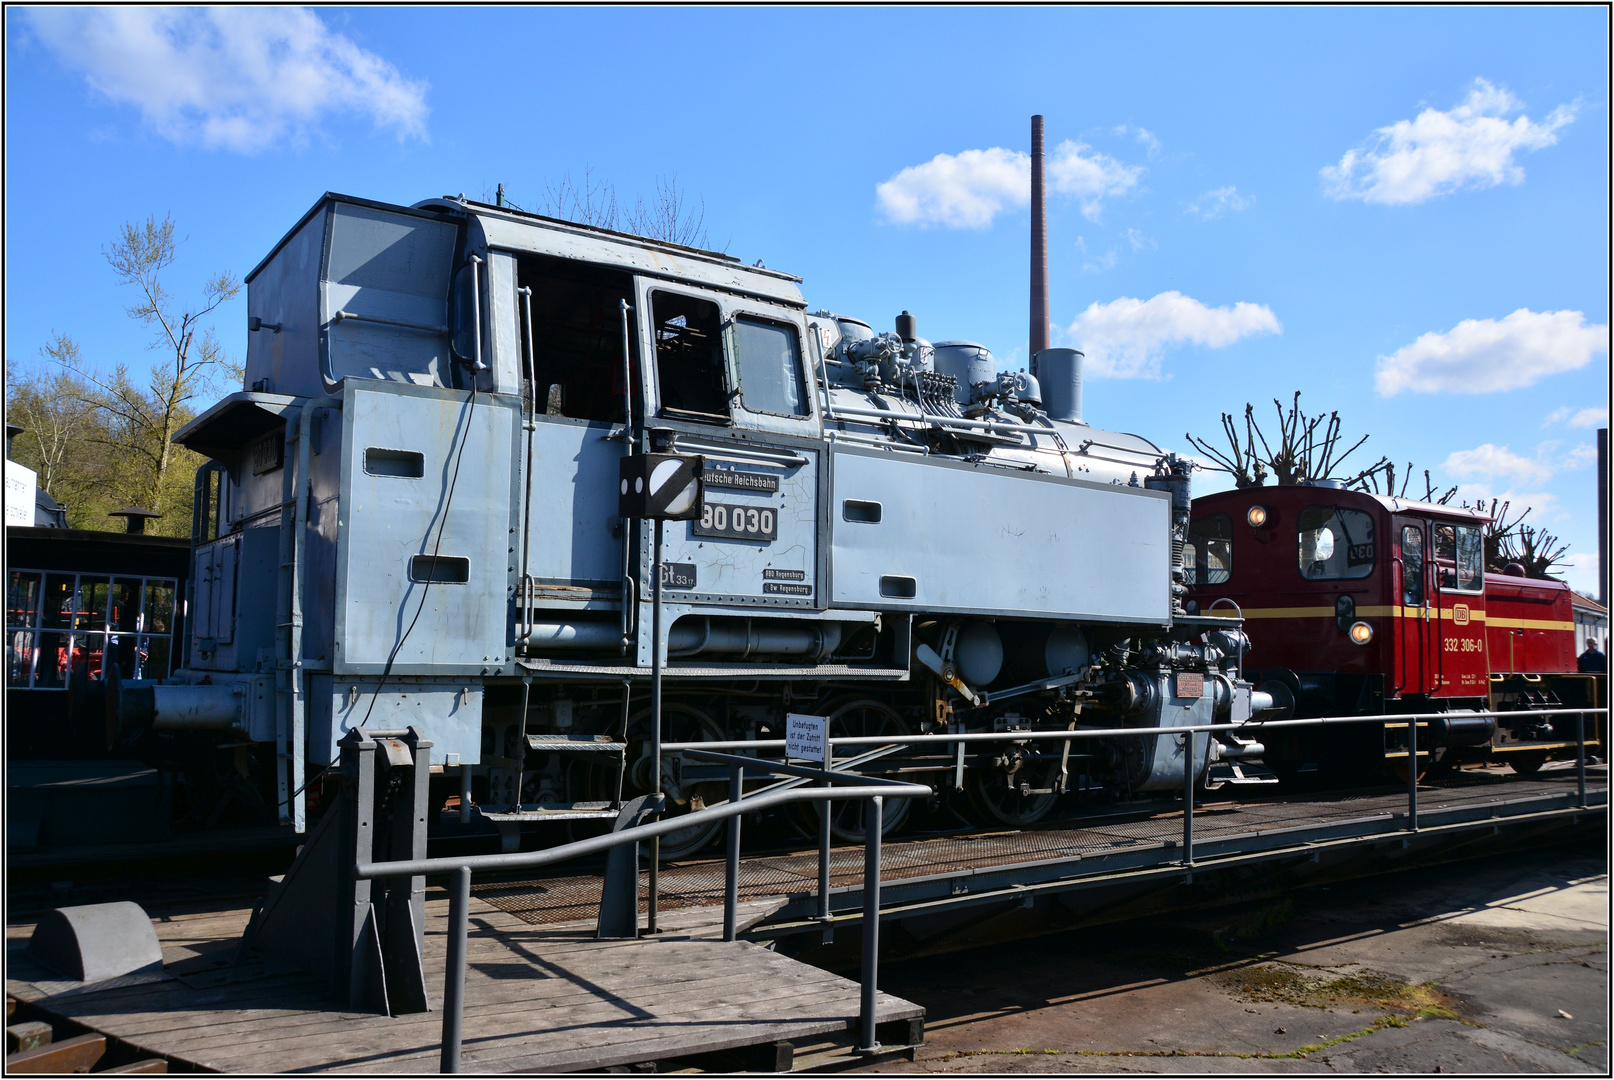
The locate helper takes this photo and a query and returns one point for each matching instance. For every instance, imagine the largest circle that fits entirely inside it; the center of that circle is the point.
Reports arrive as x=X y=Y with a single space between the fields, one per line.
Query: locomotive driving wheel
x=679 y=723
x=854 y=717
x=1016 y=789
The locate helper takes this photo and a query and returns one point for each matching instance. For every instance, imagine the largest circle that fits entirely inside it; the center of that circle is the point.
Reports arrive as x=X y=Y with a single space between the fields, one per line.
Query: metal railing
x=1412 y=722
x=844 y=786
x=838 y=786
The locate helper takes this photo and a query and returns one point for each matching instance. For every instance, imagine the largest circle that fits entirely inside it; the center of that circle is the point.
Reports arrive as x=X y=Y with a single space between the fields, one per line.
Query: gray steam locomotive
x=410 y=517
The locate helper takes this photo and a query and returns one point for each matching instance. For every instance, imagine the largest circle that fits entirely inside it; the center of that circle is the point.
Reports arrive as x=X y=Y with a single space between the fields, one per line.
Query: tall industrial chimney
x=1039 y=248
x=1602 y=517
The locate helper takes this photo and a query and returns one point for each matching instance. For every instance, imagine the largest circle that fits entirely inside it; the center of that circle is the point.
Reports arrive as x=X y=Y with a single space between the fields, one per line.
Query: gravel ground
x=1497 y=966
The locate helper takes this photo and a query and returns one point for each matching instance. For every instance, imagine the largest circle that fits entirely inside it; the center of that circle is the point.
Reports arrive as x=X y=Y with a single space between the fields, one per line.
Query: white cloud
x=1219 y=201
x=1126 y=338
x=1076 y=169
x=236 y=78
x=1489 y=461
x=960 y=191
x=1479 y=356
x=1580 y=457
x=1144 y=136
x=1139 y=241
x=1438 y=152
x=969 y=189
x=1541 y=504
x=1579 y=570
x=1580 y=418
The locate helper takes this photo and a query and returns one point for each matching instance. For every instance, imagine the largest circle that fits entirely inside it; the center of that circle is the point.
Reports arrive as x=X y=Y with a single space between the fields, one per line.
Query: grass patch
x=1295 y=986
x=1381 y=1023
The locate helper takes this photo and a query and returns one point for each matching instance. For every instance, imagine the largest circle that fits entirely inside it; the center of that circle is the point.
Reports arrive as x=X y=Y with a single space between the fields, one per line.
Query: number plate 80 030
x=737 y=522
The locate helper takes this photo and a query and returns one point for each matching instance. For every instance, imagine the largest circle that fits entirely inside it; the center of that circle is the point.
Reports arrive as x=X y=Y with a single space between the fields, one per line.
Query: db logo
x=1459 y=614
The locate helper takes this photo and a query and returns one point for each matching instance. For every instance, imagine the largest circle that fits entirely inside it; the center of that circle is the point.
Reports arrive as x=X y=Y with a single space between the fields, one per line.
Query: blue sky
x=1400 y=212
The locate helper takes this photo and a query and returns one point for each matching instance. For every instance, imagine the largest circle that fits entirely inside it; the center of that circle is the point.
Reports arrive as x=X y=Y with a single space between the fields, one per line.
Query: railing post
x=873 y=825
x=731 y=879
x=1412 y=774
x=823 y=850
x=1580 y=756
x=459 y=915
x=1188 y=799
x=655 y=723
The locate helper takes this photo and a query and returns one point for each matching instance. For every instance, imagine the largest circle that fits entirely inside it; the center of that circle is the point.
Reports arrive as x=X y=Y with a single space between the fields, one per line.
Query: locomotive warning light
x=1257 y=516
x=665 y=486
x=1361 y=633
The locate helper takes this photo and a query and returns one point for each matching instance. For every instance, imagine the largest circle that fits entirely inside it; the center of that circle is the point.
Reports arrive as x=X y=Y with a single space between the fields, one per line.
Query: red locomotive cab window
x=1460 y=557
x=1208 y=555
x=1412 y=565
x=1336 y=543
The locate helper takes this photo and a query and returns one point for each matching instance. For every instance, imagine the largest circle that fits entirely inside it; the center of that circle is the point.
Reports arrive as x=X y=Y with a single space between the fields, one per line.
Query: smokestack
x=1602 y=517
x=1039 y=248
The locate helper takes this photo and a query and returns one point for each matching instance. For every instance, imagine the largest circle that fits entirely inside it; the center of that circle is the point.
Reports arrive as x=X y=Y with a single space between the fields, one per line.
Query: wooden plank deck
x=548 y=999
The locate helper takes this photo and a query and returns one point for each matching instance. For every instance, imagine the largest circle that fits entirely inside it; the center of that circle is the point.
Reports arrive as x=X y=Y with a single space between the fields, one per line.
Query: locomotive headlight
x=1361 y=633
x=1257 y=516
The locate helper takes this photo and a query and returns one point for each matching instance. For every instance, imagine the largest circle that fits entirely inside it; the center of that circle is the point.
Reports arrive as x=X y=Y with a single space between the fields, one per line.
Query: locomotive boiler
x=1365 y=604
x=409 y=516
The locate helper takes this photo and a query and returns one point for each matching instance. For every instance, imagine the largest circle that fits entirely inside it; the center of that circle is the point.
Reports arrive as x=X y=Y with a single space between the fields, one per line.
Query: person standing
x=1592 y=660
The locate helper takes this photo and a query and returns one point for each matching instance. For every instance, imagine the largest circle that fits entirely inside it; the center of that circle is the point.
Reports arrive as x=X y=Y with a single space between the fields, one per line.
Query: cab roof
x=1343 y=496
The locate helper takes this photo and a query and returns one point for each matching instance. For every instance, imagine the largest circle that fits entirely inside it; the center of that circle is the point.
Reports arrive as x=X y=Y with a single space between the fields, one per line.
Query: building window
x=56 y=622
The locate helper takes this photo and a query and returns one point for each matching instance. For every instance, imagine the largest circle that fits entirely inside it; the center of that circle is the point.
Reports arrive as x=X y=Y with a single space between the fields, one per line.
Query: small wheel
x=679 y=723
x=862 y=716
x=996 y=791
x=1402 y=774
x=1527 y=764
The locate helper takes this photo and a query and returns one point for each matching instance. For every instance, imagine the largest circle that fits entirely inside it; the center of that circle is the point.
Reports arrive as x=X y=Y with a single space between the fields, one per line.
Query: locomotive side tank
x=410 y=517
x=1366 y=604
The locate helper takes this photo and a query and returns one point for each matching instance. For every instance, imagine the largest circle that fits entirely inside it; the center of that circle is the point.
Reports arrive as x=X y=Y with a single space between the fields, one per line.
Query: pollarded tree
x=1308 y=448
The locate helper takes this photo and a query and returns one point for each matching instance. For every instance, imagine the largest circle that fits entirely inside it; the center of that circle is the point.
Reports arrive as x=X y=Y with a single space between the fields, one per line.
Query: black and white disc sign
x=666 y=486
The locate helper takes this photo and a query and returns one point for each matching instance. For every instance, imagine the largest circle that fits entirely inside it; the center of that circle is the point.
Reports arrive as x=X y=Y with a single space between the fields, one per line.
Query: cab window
x=1462 y=549
x=768 y=357
x=1336 y=543
x=576 y=336
x=1208 y=555
x=1412 y=565
x=689 y=357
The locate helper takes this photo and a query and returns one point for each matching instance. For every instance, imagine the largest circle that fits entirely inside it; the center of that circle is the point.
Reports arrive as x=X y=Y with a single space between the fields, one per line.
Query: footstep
x=1565 y=1015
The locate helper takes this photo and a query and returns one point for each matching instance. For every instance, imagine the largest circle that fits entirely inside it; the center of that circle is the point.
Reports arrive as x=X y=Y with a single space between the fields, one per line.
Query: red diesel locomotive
x=1363 y=604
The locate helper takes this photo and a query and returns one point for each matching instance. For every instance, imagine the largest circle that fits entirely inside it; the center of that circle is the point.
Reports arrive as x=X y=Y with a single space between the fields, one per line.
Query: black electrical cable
x=448 y=502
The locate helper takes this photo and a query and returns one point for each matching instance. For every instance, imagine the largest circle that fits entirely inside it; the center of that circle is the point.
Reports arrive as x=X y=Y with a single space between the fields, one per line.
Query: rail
x=838 y=786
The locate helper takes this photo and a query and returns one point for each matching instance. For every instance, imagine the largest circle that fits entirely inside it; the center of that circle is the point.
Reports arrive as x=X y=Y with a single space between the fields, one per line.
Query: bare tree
x=1308 y=448
x=1385 y=469
x=670 y=217
x=593 y=202
x=141 y=417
